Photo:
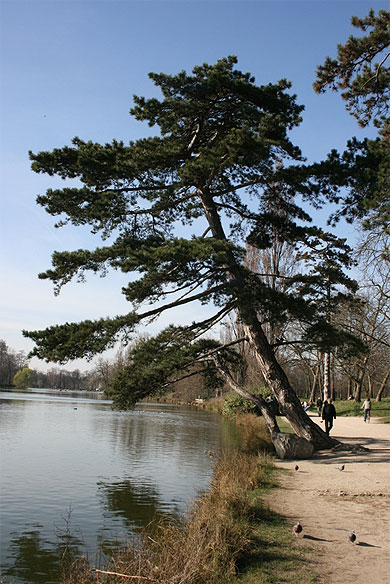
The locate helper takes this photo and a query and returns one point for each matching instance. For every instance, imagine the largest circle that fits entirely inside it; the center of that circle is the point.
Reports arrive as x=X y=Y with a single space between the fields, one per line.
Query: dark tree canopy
x=362 y=70
x=362 y=73
x=178 y=210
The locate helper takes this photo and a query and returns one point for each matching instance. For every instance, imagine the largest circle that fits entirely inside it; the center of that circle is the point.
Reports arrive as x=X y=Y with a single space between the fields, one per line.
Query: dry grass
x=254 y=435
x=205 y=547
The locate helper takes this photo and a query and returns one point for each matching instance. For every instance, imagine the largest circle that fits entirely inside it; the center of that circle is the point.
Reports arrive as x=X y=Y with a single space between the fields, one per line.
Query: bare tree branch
x=375 y=76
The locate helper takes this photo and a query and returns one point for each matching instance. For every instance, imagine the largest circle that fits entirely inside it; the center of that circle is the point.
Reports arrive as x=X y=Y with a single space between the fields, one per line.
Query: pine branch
x=236 y=210
x=158 y=311
x=233 y=189
x=375 y=76
x=208 y=323
x=199 y=283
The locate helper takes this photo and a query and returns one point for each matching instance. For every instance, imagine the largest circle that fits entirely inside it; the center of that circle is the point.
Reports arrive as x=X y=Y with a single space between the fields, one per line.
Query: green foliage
x=364 y=82
x=72 y=340
x=223 y=170
x=365 y=86
x=23 y=378
x=156 y=363
x=261 y=390
x=235 y=404
x=10 y=362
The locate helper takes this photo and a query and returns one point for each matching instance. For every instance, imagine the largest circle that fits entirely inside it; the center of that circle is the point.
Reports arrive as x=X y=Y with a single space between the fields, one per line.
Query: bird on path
x=342 y=467
x=352 y=537
x=296 y=467
x=297 y=529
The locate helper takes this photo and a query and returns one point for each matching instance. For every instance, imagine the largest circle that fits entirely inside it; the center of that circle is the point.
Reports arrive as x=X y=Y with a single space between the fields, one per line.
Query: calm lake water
x=74 y=470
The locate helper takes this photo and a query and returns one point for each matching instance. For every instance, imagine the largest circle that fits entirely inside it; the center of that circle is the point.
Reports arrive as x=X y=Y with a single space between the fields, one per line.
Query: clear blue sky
x=70 y=68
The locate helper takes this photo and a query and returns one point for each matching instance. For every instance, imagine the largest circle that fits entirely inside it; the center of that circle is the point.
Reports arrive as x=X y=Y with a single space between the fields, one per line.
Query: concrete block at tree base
x=292 y=446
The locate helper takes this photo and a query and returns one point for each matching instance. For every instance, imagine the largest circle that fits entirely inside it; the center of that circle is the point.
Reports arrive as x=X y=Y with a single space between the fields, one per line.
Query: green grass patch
x=351 y=408
x=274 y=556
x=284 y=426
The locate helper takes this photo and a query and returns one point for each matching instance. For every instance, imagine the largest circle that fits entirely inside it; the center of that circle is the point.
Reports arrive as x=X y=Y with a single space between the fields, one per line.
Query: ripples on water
x=75 y=471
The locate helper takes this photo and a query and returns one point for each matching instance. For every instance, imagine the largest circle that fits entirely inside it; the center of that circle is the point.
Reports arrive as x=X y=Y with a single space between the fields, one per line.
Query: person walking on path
x=319 y=406
x=367 y=409
x=328 y=413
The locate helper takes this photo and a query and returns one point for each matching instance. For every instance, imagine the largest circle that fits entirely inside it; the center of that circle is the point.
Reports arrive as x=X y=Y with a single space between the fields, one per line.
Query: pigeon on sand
x=342 y=467
x=352 y=537
x=297 y=529
x=296 y=467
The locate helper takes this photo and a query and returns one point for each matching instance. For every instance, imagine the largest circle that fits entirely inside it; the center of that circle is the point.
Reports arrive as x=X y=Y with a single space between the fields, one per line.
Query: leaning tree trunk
x=273 y=373
x=314 y=384
x=276 y=378
x=382 y=387
x=360 y=379
x=268 y=415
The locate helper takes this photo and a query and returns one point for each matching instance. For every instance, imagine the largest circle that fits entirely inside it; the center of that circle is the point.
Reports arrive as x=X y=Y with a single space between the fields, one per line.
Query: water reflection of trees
x=137 y=504
x=161 y=461
x=36 y=560
x=150 y=433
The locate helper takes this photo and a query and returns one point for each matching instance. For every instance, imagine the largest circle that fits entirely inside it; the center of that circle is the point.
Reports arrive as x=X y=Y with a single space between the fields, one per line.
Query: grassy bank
x=228 y=537
x=378 y=409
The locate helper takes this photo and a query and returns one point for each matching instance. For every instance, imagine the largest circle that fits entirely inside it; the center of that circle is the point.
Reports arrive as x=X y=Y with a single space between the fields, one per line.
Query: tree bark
x=360 y=379
x=276 y=378
x=314 y=384
x=326 y=389
x=268 y=415
x=273 y=373
x=369 y=381
x=382 y=387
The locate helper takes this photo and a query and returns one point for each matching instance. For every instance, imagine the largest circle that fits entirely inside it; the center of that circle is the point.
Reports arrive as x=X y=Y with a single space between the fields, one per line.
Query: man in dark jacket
x=328 y=413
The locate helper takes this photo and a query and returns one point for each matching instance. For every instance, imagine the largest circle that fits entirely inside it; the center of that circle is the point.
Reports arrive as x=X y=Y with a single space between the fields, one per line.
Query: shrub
x=234 y=404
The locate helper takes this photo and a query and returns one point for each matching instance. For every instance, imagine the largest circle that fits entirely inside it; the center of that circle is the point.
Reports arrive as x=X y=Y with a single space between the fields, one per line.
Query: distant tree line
x=14 y=371
x=10 y=362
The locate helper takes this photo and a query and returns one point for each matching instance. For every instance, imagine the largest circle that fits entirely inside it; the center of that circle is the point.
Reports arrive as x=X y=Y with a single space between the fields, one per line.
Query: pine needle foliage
x=177 y=211
x=361 y=72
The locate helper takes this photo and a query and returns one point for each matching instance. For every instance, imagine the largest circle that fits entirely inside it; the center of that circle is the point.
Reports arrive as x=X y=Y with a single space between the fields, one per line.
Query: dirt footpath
x=330 y=503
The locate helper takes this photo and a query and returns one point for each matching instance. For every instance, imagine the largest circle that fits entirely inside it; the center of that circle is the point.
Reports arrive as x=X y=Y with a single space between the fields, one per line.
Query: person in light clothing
x=319 y=406
x=367 y=409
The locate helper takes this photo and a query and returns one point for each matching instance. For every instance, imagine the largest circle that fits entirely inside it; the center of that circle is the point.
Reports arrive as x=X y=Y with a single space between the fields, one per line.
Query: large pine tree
x=179 y=208
x=361 y=73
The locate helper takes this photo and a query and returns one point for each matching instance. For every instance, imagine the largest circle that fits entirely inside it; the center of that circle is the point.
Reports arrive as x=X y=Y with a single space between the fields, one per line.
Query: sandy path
x=330 y=503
